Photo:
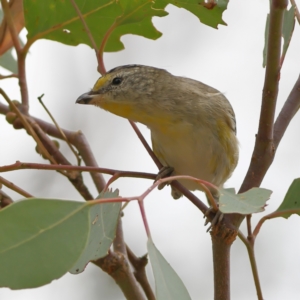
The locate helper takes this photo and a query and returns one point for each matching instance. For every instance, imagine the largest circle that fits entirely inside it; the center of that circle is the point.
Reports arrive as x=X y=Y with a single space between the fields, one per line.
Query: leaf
x=266 y=41
x=208 y=12
x=250 y=202
x=35 y=240
x=58 y=21
x=8 y=62
x=42 y=239
x=291 y=199
x=104 y=220
x=168 y=285
x=288 y=28
x=287 y=32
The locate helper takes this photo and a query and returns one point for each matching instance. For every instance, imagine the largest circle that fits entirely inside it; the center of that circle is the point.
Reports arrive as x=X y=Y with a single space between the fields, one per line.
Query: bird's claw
x=216 y=219
x=163 y=173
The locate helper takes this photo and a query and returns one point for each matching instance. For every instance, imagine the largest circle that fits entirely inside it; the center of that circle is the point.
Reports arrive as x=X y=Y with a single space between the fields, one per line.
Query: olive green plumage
x=192 y=124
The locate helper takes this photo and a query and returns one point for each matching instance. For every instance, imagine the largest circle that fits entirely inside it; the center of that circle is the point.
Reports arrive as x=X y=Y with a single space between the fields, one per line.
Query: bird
x=193 y=126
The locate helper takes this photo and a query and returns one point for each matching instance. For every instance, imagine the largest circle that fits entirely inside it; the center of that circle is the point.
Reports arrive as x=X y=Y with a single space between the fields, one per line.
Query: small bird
x=193 y=128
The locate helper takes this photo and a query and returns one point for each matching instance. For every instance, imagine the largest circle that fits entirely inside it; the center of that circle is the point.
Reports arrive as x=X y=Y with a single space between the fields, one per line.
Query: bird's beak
x=85 y=98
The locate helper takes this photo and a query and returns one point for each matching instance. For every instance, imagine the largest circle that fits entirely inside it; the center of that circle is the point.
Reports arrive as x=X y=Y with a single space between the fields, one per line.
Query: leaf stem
x=273 y=215
x=249 y=243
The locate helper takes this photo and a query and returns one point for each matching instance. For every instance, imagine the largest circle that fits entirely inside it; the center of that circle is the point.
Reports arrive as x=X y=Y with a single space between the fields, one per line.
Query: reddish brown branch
x=288 y=111
x=76 y=138
x=116 y=265
x=139 y=265
x=4 y=199
x=14 y=187
x=22 y=165
x=264 y=149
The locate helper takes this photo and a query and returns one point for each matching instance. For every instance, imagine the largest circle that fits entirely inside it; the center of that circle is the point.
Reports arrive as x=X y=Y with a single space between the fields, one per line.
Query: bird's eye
x=116 y=81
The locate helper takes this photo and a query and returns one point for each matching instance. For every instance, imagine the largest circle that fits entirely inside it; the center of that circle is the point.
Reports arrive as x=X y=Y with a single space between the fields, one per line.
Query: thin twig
x=101 y=66
x=58 y=128
x=139 y=265
x=10 y=22
x=15 y=188
x=21 y=55
x=273 y=215
x=145 y=144
x=24 y=165
x=250 y=248
x=79 y=140
x=119 y=243
x=28 y=127
x=144 y=217
x=76 y=138
x=248 y=217
x=5 y=200
x=288 y=111
x=8 y=76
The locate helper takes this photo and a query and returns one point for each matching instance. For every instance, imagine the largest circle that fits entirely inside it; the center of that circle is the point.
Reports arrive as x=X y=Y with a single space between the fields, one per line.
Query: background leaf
x=250 y=202
x=266 y=41
x=104 y=219
x=208 y=13
x=291 y=199
x=168 y=285
x=40 y=240
x=8 y=62
x=288 y=28
x=58 y=21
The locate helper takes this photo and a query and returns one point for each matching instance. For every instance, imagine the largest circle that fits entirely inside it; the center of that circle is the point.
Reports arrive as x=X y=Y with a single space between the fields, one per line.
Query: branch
x=264 y=149
x=116 y=265
x=249 y=243
x=76 y=138
x=23 y=165
x=11 y=26
x=8 y=76
x=15 y=188
x=4 y=199
x=221 y=264
x=21 y=55
x=288 y=111
x=139 y=265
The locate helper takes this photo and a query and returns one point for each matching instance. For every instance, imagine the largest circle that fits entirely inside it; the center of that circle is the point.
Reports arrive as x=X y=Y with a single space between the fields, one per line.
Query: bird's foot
x=163 y=173
x=218 y=217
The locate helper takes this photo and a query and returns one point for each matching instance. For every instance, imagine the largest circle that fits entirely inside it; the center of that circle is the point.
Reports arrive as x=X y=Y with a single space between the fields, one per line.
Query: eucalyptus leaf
x=104 y=219
x=291 y=199
x=60 y=22
x=168 y=285
x=250 y=202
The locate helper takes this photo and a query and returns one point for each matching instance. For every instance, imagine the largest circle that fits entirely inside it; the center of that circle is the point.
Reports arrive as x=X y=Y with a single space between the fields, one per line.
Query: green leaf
x=208 y=15
x=250 y=202
x=40 y=240
x=288 y=28
x=58 y=21
x=266 y=41
x=287 y=32
x=103 y=231
x=291 y=199
x=168 y=285
x=8 y=62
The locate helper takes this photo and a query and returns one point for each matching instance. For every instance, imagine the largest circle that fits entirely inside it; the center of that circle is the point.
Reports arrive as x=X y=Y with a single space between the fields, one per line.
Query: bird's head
x=128 y=91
